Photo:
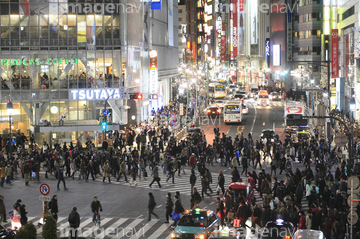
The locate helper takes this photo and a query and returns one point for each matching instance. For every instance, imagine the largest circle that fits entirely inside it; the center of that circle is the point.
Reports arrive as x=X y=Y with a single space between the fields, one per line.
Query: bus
x=217 y=91
x=233 y=111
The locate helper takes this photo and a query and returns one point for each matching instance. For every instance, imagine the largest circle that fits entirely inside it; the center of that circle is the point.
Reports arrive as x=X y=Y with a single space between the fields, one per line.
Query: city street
x=125 y=206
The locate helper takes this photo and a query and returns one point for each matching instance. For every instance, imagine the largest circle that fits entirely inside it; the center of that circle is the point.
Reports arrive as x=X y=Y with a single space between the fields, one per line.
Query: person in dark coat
x=220 y=209
x=244 y=163
x=221 y=182
x=23 y=217
x=61 y=178
x=169 y=207
x=178 y=208
x=155 y=175
x=243 y=213
x=151 y=206
x=53 y=206
x=74 y=221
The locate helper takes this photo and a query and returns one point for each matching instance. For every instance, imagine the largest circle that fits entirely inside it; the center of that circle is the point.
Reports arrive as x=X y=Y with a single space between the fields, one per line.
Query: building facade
x=69 y=60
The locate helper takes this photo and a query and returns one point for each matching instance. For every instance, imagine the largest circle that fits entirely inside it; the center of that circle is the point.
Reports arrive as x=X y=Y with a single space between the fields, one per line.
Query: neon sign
x=49 y=61
x=95 y=94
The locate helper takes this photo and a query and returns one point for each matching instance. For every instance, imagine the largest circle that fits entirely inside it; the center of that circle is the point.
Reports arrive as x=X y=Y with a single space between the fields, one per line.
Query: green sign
x=49 y=61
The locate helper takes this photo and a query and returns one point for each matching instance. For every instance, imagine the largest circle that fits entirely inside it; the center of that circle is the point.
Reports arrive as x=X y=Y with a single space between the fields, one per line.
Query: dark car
x=194 y=130
x=6 y=234
x=278 y=229
x=241 y=189
x=269 y=134
x=238 y=96
x=275 y=96
x=214 y=111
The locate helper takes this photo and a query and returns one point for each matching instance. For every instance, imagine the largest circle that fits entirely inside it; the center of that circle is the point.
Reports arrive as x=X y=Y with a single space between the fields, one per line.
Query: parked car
x=275 y=96
x=243 y=189
x=278 y=229
x=308 y=234
x=194 y=130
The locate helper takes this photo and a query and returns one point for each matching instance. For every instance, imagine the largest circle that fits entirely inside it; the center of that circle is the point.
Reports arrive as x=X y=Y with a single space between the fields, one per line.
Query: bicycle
x=96 y=217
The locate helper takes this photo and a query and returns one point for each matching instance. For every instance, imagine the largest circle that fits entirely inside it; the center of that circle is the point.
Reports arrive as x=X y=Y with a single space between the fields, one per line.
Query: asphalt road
x=125 y=207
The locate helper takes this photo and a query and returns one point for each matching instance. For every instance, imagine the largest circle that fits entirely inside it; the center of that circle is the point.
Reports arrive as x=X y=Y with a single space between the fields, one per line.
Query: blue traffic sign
x=193 y=100
x=193 y=105
x=173 y=122
x=105 y=112
x=172 y=114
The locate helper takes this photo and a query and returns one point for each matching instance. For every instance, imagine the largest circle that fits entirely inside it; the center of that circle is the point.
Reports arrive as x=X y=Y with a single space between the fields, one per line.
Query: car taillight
x=219 y=110
x=287 y=237
x=209 y=111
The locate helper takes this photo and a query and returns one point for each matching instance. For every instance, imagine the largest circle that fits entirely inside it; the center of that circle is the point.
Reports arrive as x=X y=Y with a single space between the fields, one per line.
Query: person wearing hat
x=74 y=221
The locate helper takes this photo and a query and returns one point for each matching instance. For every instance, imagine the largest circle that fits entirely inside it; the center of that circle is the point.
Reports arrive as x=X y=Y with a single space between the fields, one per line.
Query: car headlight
x=200 y=236
x=174 y=235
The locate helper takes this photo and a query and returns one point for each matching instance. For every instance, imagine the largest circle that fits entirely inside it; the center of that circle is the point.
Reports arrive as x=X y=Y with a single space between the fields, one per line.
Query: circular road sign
x=172 y=114
x=193 y=100
x=193 y=105
x=105 y=112
x=355 y=203
x=353 y=182
x=355 y=218
x=44 y=189
x=173 y=122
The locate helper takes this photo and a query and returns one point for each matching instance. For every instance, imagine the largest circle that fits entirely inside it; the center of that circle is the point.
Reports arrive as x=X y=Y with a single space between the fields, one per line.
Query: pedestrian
x=192 y=161
x=220 y=209
x=2 y=209
x=8 y=172
x=53 y=206
x=155 y=175
x=106 y=171
x=244 y=163
x=133 y=175
x=221 y=182
x=302 y=221
x=151 y=206
x=169 y=207
x=192 y=180
x=195 y=198
x=26 y=173
x=61 y=178
x=95 y=208
x=2 y=175
x=171 y=171
x=74 y=221
x=178 y=209
x=23 y=217
x=122 y=171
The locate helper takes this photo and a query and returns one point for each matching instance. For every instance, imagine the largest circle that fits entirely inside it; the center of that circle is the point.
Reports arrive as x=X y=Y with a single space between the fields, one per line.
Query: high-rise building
x=70 y=59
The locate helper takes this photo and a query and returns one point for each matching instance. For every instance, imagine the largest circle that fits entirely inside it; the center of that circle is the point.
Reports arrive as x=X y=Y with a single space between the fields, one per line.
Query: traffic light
x=136 y=96
x=104 y=125
x=154 y=96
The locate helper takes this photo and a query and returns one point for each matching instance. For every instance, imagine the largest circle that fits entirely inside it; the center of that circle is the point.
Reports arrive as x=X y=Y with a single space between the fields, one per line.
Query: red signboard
x=223 y=39
x=234 y=29
x=347 y=52
x=241 y=5
x=334 y=53
x=193 y=50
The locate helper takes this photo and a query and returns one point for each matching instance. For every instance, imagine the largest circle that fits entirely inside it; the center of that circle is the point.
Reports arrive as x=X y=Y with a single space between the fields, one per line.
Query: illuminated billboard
x=276 y=55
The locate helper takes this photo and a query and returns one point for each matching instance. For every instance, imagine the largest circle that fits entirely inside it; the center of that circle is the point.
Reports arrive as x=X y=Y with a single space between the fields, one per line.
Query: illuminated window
x=318 y=33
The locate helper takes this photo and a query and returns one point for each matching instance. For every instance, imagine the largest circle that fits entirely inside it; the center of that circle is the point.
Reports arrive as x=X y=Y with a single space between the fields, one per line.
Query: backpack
x=49 y=205
x=72 y=218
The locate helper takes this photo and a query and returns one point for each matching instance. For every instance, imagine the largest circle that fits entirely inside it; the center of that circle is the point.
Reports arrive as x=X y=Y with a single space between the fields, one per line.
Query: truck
x=252 y=89
x=293 y=115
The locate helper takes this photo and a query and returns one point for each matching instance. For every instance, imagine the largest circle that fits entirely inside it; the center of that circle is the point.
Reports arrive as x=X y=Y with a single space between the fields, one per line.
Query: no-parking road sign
x=44 y=189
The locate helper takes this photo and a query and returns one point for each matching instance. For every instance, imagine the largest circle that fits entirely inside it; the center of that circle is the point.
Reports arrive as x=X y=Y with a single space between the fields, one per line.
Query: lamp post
x=9 y=106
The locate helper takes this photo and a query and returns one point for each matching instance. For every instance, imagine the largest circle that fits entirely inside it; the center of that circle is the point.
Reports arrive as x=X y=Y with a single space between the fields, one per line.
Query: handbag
x=237 y=222
x=175 y=217
x=230 y=215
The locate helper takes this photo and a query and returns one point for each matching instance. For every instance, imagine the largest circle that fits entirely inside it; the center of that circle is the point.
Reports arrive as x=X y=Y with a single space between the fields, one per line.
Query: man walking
x=74 y=221
x=192 y=180
x=95 y=207
x=169 y=207
x=53 y=206
x=61 y=178
x=155 y=175
x=151 y=206
x=122 y=171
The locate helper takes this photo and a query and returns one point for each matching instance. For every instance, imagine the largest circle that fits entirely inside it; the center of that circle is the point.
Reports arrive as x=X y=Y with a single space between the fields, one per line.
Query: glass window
x=34 y=20
x=4 y=32
x=116 y=21
x=98 y=20
x=72 y=20
x=5 y=21
x=73 y=110
x=107 y=20
x=14 y=20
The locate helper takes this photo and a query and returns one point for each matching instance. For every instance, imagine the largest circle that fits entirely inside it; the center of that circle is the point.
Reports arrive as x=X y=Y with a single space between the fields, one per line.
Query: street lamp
x=9 y=106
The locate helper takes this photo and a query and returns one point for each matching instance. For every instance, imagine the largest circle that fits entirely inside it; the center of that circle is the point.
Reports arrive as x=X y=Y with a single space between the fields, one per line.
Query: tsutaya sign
x=95 y=94
x=37 y=62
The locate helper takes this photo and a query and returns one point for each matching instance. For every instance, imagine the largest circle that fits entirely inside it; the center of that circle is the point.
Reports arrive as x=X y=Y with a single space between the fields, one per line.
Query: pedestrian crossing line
x=128 y=229
x=159 y=231
x=103 y=221
x=84 y=224
x=8 y=224
x=145 y=228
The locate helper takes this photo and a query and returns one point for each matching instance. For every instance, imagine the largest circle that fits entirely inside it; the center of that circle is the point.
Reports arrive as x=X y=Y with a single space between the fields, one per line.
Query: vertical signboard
x=212 y=39
x=289 y=32
x=155 y=4
x=253 y=22
x=347 y=56
x=171 y=22
x=276 y=55
x=234 y=38
x=334 y=53
x=241 y=38
x=267 y=52
x=218 y=39
x=153 y=72
x=223 y=39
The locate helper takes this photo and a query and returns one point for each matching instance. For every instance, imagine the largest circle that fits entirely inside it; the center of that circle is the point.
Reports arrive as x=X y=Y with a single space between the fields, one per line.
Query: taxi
x=302 y=136
x=214 y=111
x=197 y=224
